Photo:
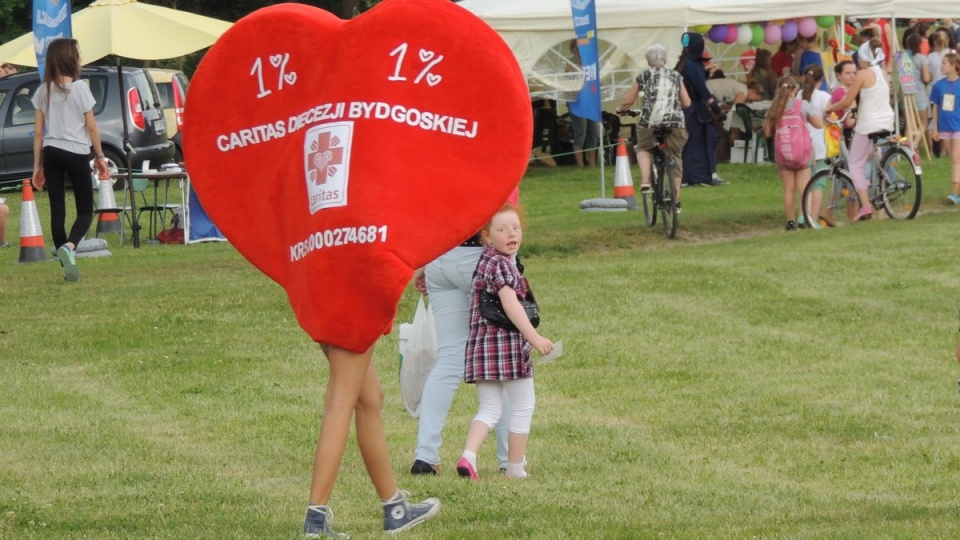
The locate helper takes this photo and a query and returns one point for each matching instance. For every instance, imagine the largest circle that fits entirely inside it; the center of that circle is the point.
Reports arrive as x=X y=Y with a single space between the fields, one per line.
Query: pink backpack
x=792 y=141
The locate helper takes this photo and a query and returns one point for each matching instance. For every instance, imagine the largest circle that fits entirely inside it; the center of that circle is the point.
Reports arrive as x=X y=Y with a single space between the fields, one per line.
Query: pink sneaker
x=466 y=469
x=865 y=214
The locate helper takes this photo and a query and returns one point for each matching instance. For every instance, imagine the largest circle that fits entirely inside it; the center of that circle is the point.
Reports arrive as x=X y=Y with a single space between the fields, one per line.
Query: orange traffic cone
x=32 y=248
x=623 y=180
x=108 y=217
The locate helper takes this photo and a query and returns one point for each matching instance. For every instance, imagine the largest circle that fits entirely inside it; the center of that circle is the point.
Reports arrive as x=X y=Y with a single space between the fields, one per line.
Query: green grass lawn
x=738 y=382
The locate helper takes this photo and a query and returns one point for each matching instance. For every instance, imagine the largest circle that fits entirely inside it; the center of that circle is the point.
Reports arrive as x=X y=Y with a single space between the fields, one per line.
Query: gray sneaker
x=68 y=258
x=4 y=244
x=399 y=515
x=318 y=522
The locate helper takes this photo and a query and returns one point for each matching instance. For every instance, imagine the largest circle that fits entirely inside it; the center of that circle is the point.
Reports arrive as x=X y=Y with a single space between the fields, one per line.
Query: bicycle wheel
x=829 y=200
x=649 y=202
x=668 y=200
x=899 y=185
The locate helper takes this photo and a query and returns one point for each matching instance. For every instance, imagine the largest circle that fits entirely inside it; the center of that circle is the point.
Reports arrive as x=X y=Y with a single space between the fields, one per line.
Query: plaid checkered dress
x=495 y=353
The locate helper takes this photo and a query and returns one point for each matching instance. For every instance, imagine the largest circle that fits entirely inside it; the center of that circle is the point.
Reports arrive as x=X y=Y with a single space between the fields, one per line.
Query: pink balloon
x=732 y=34
x=788 y=32
x=807 y=27
x=771 y=34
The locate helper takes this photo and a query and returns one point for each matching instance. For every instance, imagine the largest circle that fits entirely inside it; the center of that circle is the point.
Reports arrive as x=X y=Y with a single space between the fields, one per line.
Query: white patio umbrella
x=129 y=29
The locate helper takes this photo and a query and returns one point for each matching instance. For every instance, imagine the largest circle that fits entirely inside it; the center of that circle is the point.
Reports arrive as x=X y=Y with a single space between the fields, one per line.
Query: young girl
x=762 y=74
x=498 y=359
x=794 y=180
x=921 y=70
x=945 y=100
x=846 y=72
x=65 y=131
x=812 y=94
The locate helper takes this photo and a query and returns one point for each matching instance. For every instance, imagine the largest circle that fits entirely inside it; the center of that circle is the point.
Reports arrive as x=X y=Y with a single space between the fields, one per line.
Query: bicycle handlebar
x=839 y=121
x=628 y=112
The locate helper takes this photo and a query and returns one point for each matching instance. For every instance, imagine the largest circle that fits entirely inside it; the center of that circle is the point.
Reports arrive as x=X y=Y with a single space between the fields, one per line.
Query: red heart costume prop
x=338 y=156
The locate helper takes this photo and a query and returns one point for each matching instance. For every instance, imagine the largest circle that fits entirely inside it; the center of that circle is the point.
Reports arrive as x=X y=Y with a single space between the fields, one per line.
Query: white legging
x=522 y=402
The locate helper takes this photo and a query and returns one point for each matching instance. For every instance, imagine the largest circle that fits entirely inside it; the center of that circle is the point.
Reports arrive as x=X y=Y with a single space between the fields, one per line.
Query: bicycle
x=662 y=196
x=831 y=200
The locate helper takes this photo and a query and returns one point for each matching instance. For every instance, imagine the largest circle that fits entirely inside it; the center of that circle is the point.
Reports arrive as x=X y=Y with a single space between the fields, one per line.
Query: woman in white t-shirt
x=65 y=131
x=811 y=93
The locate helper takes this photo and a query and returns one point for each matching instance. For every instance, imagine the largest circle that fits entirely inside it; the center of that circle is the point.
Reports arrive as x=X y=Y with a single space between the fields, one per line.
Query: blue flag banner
x=587 y=104
x=51 y=20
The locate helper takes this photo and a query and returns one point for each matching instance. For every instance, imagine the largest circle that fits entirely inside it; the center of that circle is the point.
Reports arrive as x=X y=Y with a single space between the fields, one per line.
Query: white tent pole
x=896 y=84
x=843 y=35
x=603 y=179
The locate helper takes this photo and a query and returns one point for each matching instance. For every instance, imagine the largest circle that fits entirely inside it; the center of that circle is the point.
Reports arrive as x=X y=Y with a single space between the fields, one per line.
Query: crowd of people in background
x=797 y=68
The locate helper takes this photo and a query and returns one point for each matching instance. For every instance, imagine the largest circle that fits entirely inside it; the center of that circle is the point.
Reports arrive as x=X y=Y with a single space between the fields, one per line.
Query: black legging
x=57 y=166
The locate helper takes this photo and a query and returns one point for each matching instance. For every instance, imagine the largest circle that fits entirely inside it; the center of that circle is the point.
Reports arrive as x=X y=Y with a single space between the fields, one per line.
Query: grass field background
x=739 y=382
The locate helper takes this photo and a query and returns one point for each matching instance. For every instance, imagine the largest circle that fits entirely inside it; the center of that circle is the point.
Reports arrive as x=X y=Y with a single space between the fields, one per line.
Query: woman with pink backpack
x=786 y=122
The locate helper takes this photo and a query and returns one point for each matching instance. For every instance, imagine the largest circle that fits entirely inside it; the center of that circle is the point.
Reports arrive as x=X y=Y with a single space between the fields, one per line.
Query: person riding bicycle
x=875 y=115
x=663 y=97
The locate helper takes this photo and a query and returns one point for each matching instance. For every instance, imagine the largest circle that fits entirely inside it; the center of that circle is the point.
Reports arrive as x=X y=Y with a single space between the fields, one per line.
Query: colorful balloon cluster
x=769 y=33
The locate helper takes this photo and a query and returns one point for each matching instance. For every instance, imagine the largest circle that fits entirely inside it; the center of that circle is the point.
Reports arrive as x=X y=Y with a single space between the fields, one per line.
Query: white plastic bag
x=418 y=354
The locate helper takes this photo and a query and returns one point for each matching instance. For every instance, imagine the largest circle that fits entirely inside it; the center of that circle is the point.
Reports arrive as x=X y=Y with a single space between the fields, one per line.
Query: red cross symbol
x=323 y=158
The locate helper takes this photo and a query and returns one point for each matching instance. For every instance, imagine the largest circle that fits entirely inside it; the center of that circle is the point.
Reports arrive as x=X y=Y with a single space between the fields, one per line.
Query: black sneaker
x=717 y=181
x=791 y=226
x=318 y=521
x=422 y=467
x=679 y=208
x=399 y=515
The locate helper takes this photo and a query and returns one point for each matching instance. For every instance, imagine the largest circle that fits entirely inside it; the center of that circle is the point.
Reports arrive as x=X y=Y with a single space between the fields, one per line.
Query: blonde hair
x=786 y=89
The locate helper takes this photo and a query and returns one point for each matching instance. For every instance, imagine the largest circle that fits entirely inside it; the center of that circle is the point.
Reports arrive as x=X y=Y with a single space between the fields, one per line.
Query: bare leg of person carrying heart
x=294 y=123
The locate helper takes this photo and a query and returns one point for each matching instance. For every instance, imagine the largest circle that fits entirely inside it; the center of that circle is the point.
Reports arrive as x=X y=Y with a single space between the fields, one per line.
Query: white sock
x=515 y=470
x=397 y=497
x=471 y=457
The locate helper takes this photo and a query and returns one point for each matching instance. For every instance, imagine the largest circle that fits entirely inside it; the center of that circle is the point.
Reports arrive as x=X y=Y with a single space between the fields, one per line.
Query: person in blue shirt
x=944 y=98
x=809 y=54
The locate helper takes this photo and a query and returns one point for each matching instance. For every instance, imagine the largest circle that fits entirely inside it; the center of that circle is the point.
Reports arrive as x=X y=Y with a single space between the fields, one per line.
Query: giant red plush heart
x=339 y=156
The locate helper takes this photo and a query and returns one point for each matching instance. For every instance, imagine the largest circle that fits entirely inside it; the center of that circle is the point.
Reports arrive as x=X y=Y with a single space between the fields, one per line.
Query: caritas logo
x=326 y=164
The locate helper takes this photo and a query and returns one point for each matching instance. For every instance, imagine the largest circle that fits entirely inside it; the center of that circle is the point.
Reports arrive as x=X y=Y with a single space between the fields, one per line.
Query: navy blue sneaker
x=317 y=524
x=399 y=515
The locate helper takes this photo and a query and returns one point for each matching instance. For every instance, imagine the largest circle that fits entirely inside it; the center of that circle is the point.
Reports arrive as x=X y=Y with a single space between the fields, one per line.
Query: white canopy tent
x=537 y=30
